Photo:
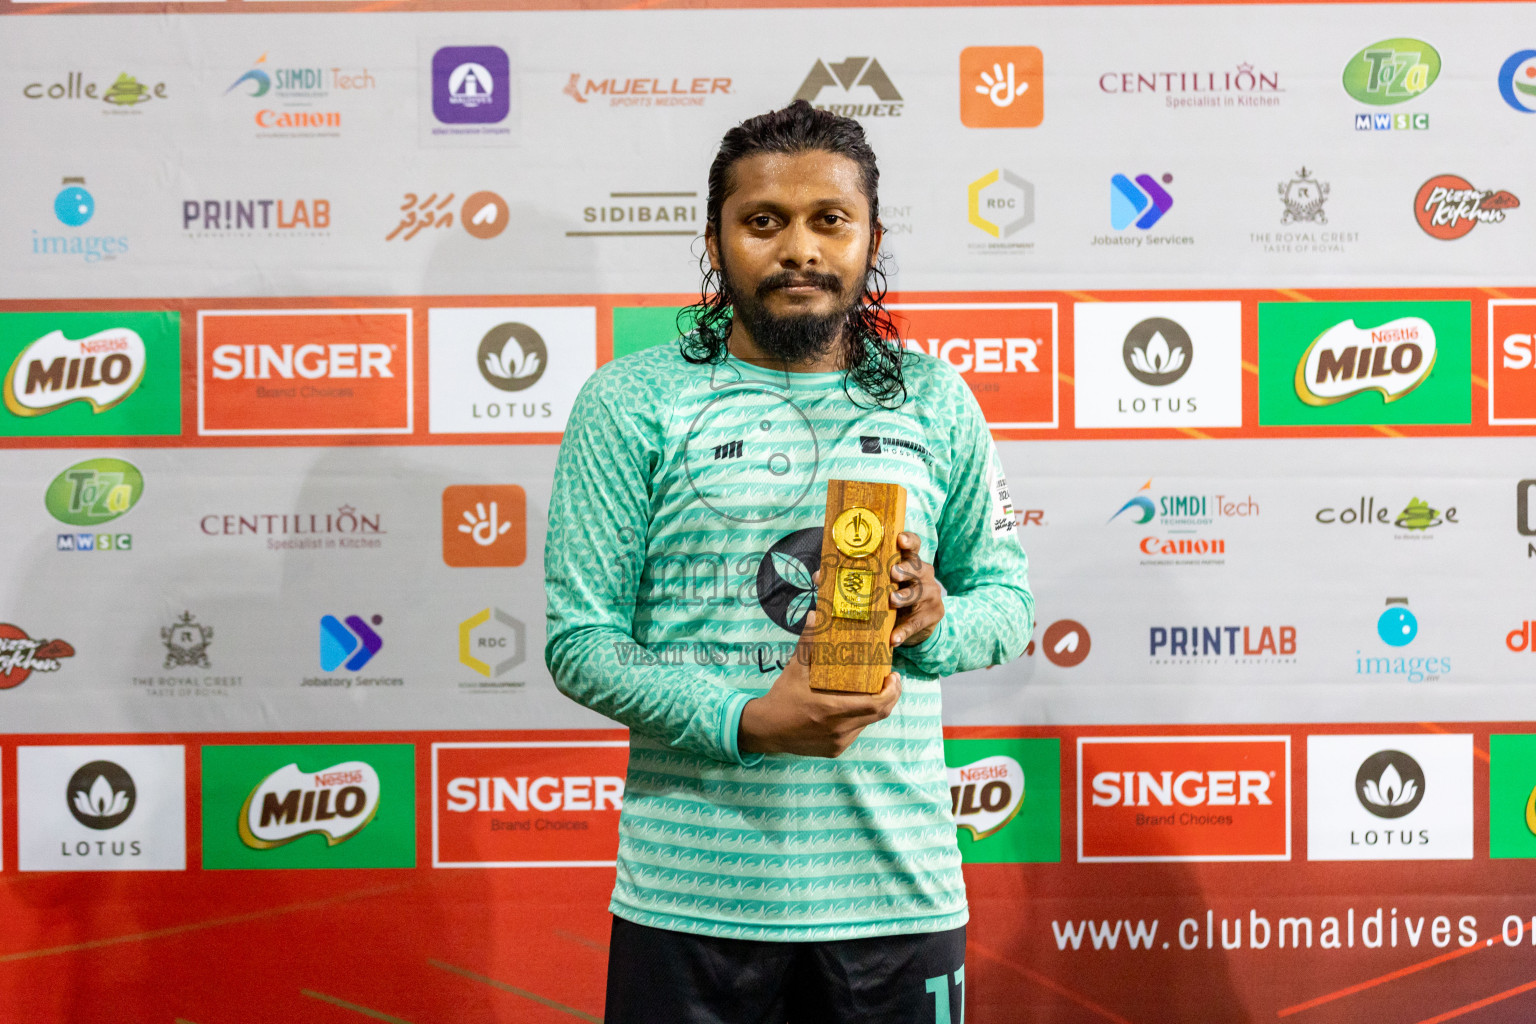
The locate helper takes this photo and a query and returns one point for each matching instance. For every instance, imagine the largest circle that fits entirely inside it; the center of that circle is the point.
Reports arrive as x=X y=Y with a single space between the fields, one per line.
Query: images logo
x=1397 y=626
x=20 y=655
x=1002 y=86
x=855 y=72
x=1391 y=71
x=1448 y=207
x=1323 y=363
x=484 y=525
x=74 y=205
x=1517 y=81
x=291 y=806
x=1303 y=197
x=1390 y=784
x=1004 y=210
x=1005 y=797
x=186 y=643
x=509 y=648
x=1185 y=798
x=101 y=795
x=484 y=215
x=1005 y=353
x=108 y=808
x=353 y=643
x=471 y=85
x=1389 y=797
x=1142 y=202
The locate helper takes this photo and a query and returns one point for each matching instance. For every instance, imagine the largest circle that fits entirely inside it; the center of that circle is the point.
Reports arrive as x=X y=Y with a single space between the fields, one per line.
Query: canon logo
x=545 y=793
x=1190 y=789
x=982 y=355
x=263 y=362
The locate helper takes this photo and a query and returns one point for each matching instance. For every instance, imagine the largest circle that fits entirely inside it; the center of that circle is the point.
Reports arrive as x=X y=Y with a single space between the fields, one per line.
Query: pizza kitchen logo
x=336 y=802
x=21 y=655
x=1447 y=207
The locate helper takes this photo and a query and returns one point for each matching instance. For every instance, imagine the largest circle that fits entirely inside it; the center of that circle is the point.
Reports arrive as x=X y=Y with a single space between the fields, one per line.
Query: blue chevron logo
x=1141 y=202
x=351 y=641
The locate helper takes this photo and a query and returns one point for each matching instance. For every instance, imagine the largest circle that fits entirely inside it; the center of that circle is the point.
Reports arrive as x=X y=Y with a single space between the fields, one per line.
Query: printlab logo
x=1390 y=784
x=74 y=207
x=1158 y=351
x=1136 y=364
x=1141 y=202
x=1065 y=643
x=1447 y=207
x=123 y=95
x=1387 y=73
x=1001 y=204
x=21 y=655
x=484 y=525
x=1517 y=81
x=1245 y=645
x=647 y=92
x=848 y=75
x=483 y=215
x=93 y=493
x=243 y=218
x=1002 y=87
x=349 y=643
x=1387 y=797
x=186 y=643
x=101 y=795
x=471 y=85
x=492 y=643
x=641 y=214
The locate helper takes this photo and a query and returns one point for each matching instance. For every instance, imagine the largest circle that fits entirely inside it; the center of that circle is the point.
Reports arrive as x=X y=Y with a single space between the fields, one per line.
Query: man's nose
x=798 y=246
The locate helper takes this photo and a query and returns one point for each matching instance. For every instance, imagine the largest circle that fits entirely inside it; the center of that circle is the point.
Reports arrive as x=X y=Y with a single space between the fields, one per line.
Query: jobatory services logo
x=1222 y=645
x=1141 y=202
x=1511 y=361
x=106 y=808
x=350 y=643
x=1005 y=352
x=1397 y=627
x=123 y=94
x=1389 y=797
x=298 y=100
x=484 y=525
x=304 y=371
x=1511 y=796
x=73 y=207
x=856 y=79
x=492 y=642
x=1244 y=86
x=1002 y=86
x=1368 y=363
x=656 y=91
x=1001 y=204
x=322 y=806
x=1005 y=796
x=1387 y=73
x=1183 y=798
x=641 y=215
x=484 y=214
x=91 y=374
x=507 y=370
x=1517 y=81
x=527 y=804
x=471 y=89
x=21 y=655
x=1447 y=207
x=290 y=218
x=1158 y=364
x=93 y=493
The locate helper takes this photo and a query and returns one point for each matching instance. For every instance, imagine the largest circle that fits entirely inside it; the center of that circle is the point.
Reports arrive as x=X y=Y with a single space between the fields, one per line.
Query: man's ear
x=712 y=246
x=875 y=237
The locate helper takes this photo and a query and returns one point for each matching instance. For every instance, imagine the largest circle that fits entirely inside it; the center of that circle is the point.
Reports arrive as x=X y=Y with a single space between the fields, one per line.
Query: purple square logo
x=471 y=84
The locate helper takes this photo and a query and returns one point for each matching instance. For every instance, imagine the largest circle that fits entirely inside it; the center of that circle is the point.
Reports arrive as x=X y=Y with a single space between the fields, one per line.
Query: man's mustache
x=787 y=278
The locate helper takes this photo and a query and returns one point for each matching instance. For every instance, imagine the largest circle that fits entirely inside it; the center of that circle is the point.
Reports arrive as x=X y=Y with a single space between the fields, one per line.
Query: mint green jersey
x=684 y=525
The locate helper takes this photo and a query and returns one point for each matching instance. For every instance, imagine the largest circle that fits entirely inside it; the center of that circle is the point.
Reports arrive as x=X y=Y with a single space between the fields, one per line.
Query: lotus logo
x=1390 y=784
x=101 y=795
x=985 y=795
x=335 y=802
x=1158 y=351
x=512 y=357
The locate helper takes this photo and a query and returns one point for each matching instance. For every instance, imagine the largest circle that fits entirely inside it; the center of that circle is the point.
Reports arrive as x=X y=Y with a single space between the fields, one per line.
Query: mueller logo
x=1006 y=354
x=847 y=75
x=1270 y=643
x=1345 y=360
x=1447 y=207
x=206 y=218
x=985 y=795
x=21 y=655
x=646 y=92
x=102 y=369
x=1184 y=798
x=336 y=802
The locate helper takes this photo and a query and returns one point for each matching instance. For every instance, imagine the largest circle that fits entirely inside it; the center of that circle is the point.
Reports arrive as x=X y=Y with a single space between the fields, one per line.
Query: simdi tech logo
x=507 y=370
x=1387 y=73
x=485 y=525
x=320 y=806
x=1158 y=364
x=1002 y=86
x=1005 y=352
x=93 y=493
x=91 y=374
x=1389 y=797
x=1183 y=798
x=1364 y=363
x=304 y=371
x=298 y=101
x=108 y=808
x=1005 y=796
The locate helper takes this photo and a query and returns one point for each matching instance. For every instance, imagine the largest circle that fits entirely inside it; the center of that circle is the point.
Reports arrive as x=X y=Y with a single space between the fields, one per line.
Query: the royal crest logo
x=336 y=802
x=1303 y=197
x=1447 y=207
x=102 y=369
x=1346 y=360
x=186 y=642
x=21 y=655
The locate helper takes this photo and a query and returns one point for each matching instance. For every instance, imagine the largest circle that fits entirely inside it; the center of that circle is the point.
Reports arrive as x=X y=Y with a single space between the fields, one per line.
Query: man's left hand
x=915 y=594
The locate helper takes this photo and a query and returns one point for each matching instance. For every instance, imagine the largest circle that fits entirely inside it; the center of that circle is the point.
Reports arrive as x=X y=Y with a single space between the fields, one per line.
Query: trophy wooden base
x=851 y=649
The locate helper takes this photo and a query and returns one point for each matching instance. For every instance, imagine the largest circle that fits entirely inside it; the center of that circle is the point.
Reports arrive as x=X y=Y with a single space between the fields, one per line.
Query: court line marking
x=582 y=940
x=365 y=1011
x=1054 y=986
x=503 y=986
x=1486 y=1001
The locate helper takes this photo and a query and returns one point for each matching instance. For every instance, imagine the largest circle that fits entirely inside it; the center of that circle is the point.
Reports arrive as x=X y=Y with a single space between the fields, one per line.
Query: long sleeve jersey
x=684 y=526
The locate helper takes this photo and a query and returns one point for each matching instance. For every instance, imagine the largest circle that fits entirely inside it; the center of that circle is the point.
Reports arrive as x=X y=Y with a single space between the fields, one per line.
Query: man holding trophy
x=735 y=571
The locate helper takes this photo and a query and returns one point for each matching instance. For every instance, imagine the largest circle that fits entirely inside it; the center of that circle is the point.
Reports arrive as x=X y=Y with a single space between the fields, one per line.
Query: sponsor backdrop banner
x=295 y=301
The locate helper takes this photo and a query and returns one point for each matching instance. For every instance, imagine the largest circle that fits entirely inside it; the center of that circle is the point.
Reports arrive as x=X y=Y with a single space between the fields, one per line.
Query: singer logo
x=304 y=371
x=1184 y=798
x=1512 y=361
x=1005 y=352
x=484 y=525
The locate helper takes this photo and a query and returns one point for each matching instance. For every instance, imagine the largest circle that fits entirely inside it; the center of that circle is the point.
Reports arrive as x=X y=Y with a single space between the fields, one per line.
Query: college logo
x=484 y=525
x=332 y=806
x=1006 y=353
x=349 y=643
x=492 y=369
x=1324 y=363
x=483 y=215
x=848 y=75
x=115 y=808
x=1185 y=798
x=492 y=643
x=330 y=371
x=1447 y=207
x=1158 y=364
x=471 y=85
x=1511 y=361
x=647 y=92
x=1511 y=796
x=1005 y=797
x=527 y=804
x=1141 y=202
x=1002 y=86
x=186 y=643
x=1001 y=204
x=122 y=95
x=1389 y=797
x=1418 y=517
x=21 y=655
x=1303 y=197
x=1391 y=71
x=1517 y=81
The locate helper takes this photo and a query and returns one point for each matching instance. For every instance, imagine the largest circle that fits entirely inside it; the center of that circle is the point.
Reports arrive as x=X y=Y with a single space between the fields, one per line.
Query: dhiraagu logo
x=1005 y=796
x=1391 y=71
x=1364 y=363
x=94 y=492
x=1511 y=796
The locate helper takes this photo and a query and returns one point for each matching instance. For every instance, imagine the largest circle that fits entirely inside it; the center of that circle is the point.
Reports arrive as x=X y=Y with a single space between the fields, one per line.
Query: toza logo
x=1390 y=784
x=1345 y=360
x=335 y=802
x=1391 y=71
x=94 y=492
x=101 y=369
x=101 y=795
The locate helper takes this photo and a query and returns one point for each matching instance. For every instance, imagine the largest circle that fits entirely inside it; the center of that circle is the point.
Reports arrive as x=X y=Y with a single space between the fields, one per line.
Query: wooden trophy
x=851 y=651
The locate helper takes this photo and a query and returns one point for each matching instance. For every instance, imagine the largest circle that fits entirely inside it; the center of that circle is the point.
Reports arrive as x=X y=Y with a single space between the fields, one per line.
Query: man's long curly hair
x=874 y=347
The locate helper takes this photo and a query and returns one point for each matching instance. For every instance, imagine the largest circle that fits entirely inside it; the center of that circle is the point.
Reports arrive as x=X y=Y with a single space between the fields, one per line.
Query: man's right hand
x=792 y=718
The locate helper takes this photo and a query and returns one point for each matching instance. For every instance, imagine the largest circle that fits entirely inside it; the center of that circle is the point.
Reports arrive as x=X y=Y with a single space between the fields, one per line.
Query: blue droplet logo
x=1397 y=627
x=74 y=206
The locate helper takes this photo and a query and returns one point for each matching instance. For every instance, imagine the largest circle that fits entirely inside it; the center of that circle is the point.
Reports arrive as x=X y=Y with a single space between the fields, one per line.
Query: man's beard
x=798 y=337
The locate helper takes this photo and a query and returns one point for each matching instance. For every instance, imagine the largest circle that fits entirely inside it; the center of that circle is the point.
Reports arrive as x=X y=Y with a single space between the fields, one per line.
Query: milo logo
x=1346 y=360
x=102 y=369
x=336 y=802
x=1391 y=71
x=94 y=492
x=985 y=795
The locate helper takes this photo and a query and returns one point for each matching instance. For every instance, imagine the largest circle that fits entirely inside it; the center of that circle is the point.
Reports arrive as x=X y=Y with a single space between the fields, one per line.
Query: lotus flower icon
x=1156 y=357
x=512 y=356
x=1391 y=790
x=1390 y=784
x=512 y=362
x=101 y=795
x=1157 y=351
x=101 y=800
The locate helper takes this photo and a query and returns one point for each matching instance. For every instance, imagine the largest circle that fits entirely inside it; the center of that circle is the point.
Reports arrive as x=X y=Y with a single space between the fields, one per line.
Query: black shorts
x=665 y=977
